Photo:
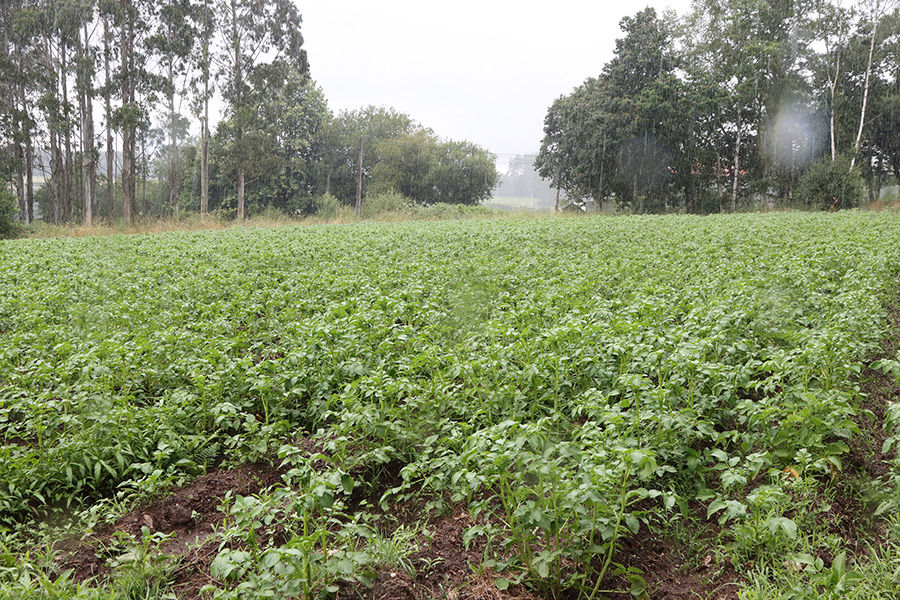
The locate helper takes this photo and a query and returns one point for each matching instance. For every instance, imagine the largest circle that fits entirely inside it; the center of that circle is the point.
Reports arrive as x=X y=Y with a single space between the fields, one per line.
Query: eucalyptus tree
x=65 y=28
x=874 y=12
x=203 y=85
x=128 y=116
x=871 y=89
x=17 y=118
x=760 y=52
x=130 y=89
x=85 y=67
x=107 y=15
x=722 y=43
x=8 y=144
x=42 y=25
x=833 y=23
x=253 y=33
x=60 y=32
x=48 y=52
x=173 y=39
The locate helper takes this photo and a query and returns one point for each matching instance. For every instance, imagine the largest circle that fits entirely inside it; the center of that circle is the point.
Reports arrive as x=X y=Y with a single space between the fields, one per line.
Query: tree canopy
x=153 y=67
x=729 y=106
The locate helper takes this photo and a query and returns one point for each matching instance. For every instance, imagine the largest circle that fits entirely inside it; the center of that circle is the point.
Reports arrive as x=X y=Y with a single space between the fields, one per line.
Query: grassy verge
x=397 y=211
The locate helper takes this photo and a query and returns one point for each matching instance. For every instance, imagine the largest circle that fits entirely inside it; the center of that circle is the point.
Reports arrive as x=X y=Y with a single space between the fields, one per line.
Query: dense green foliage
x=565 y=380
x=154 y=67
x=430 y=171
x=727 y=106
x=830 y=185
x=401 y=156
x=283 y=139
x=372 y=125
x=8 y=213
x=618 y=135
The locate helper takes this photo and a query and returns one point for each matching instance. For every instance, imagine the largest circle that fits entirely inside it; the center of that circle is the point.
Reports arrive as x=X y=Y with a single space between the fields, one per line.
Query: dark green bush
x=327 y=206
x=830 y=185
x=385 y=203
x=9 y=225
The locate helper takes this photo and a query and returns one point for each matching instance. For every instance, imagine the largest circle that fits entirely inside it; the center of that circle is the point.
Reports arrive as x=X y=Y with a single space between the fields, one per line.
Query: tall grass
x=268 y=218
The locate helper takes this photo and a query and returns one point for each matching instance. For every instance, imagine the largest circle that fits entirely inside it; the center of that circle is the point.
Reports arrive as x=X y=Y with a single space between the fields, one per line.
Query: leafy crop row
x=568 y=381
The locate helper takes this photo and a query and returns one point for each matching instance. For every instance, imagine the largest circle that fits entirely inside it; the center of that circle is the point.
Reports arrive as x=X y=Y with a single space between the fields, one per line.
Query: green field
x=559 y=388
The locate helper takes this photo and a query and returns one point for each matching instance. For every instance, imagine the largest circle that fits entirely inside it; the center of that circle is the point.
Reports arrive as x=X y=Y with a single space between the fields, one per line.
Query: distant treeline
x=101 y=97
x=739 y=104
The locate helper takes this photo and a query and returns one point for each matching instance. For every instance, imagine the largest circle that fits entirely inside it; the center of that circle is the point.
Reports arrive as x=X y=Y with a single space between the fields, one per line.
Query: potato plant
x=568 y=381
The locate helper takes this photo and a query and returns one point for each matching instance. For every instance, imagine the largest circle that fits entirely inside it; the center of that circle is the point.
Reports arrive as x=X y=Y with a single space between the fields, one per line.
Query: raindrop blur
x=796 y=138
x=645 y=158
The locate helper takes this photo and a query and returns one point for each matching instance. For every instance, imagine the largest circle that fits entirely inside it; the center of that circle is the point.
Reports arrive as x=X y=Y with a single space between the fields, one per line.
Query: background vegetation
x=727 y=107
x=724 y=108
x=99 y=98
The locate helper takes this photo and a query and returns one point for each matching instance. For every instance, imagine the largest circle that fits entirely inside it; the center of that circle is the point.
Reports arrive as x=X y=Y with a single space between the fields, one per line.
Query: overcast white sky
x=480 y=70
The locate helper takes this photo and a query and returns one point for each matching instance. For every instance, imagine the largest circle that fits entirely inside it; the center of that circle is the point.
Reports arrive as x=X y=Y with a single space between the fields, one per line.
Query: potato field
x=629 y=407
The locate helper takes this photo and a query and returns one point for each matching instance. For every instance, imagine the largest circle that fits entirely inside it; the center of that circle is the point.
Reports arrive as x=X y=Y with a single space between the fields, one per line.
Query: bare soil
x=189 y=516
x=444 y=567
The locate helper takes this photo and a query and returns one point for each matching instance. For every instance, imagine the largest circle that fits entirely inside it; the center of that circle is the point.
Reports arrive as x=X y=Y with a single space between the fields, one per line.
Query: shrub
x=327 y=206
x=9 y=214
x=384 y=203
x=830 y=185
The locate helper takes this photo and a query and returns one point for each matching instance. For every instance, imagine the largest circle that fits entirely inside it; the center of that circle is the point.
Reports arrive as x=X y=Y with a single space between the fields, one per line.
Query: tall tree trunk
x=88 y=166
x=56 y=168
x=25 y=128
x=204 y=158
x=173 y=141
x=833 y=76
x=875 y=192
x=876 y=10
x=68 y=177
x=29 y=178
x=240 y=193
x=53 y=126
x=239 y=110
x=832 y=84
x=204 y=134
x=129 y=126
x=18 y=133
x=359 y=179
x=143 y=165
x=720 y=192
x=737 y=164
x=20 y=177
x=110 y=144
x=10 y=104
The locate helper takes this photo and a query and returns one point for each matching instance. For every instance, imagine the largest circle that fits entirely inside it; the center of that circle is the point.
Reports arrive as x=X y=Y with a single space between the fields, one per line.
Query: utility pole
x=359 y=179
